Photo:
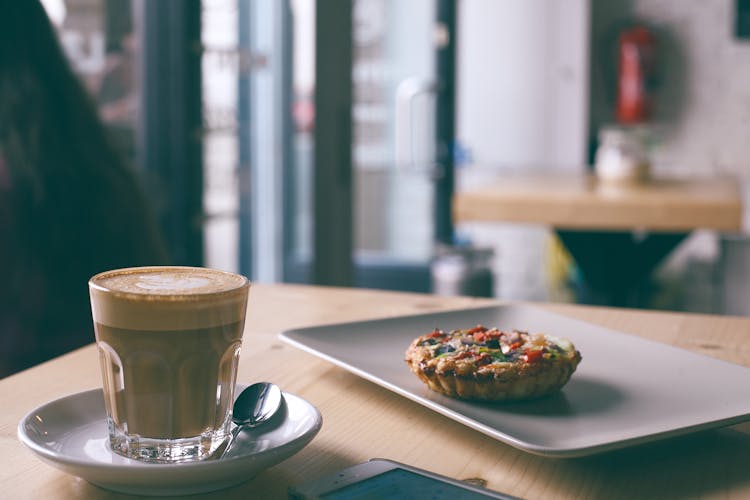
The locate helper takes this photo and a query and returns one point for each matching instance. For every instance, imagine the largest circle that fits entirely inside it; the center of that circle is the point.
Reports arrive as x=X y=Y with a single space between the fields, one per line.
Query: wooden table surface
x=578 y=201
x=362 y=420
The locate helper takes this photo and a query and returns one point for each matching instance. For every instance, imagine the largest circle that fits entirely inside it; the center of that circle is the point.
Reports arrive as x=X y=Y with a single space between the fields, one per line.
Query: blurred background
x=322 y=141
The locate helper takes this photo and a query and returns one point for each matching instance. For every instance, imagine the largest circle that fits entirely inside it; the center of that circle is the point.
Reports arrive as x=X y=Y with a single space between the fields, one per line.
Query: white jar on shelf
x=622 y=157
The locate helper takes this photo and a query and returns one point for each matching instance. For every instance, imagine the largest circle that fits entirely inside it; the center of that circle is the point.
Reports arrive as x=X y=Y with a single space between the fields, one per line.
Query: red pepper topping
x=478 y=328
x=533 y=355
x=493 y=334
x=515 y=345
x=480 y=337
x=435 y=334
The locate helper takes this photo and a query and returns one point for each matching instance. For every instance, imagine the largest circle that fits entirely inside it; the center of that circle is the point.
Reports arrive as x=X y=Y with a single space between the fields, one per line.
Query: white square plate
x=627 y=390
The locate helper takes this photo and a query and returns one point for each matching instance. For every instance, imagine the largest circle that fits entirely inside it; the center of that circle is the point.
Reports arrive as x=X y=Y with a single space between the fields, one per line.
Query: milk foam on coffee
x=171 y=282
x=167 y=298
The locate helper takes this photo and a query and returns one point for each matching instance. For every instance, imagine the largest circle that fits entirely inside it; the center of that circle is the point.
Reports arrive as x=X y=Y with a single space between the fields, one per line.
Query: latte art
x=171 y=283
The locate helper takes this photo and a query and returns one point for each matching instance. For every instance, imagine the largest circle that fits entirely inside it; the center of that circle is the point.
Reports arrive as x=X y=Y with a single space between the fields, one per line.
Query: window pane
x=99 y=37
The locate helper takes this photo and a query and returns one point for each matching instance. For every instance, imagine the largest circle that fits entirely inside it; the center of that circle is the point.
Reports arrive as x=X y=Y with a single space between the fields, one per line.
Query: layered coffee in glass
x=169 y=343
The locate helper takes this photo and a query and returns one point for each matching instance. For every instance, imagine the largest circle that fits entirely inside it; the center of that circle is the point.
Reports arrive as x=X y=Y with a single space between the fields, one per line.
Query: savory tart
x=492 y=365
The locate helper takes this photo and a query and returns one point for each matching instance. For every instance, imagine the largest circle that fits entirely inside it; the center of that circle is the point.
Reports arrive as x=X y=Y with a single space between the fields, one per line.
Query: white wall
x=523 y=82
x=706 y=131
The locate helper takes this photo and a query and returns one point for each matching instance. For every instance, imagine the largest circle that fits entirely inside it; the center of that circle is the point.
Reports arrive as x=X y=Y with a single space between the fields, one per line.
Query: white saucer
x=71 y=434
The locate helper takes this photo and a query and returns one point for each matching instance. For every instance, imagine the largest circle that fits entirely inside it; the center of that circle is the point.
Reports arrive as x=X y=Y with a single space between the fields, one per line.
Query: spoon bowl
x=255 y=405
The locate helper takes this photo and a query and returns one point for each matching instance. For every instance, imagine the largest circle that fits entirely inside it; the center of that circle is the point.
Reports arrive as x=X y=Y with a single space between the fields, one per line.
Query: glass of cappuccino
x=169 y=344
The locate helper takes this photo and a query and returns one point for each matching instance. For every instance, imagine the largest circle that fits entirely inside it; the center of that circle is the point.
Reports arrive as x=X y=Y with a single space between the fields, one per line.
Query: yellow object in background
x=560 y=269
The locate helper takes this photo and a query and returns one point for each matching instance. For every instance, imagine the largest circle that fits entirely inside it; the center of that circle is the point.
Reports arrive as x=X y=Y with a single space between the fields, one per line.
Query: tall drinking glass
x=169 y=343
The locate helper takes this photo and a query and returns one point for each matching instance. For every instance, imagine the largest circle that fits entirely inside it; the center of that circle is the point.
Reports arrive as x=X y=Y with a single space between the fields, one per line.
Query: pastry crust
x=491 y=365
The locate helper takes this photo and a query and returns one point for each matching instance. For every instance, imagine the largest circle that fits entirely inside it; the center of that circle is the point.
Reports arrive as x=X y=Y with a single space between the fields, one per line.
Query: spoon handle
x=232 y=437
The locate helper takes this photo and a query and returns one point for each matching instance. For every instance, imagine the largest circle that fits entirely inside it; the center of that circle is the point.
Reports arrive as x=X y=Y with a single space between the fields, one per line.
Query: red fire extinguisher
x=636 y=47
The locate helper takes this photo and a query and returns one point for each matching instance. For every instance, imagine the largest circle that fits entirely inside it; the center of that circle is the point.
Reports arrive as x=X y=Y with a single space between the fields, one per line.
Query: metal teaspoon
x=254 y=406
